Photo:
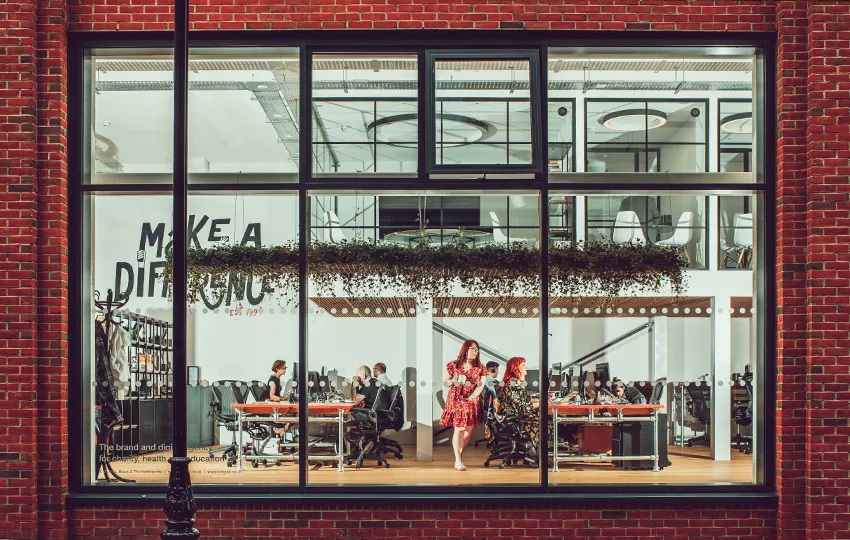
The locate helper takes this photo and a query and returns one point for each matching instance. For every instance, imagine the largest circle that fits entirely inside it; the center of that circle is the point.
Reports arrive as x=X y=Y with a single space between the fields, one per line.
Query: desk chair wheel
x=486 y=464
x=277 y=463
x=255 y=464
x=265 y=462
x=502 y=465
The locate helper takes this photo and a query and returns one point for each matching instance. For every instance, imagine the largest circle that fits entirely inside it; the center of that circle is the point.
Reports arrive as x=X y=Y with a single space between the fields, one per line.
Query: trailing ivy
x=368 y=269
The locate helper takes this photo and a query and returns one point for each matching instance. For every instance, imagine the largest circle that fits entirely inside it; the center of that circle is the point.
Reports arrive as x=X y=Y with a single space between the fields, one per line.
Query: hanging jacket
x=105 y=384
x=119 y=339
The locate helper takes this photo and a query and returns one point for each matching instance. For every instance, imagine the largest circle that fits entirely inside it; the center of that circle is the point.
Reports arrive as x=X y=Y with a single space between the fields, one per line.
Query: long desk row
x=287 y=413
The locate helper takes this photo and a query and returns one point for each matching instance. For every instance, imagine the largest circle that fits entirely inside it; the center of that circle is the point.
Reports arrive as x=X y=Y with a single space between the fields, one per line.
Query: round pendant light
x=458 y=130
x=634 y=120
x=737 y=123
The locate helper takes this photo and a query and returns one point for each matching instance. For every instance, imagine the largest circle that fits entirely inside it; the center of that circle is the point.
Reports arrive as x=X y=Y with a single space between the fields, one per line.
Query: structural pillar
x=425 y=346
x=721 y=372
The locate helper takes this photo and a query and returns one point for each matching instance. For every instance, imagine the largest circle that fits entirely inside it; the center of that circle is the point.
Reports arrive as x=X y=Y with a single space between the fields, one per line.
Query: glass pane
x=735 y=235
x=678 y=122
x=617 y=158
x=684 y=158
x=561 y=125
x=736 y=123
x=369 y=103
x=659 y=364
x=242 y=341
x=421 y=331
x=481 y=105
x=130 y=102
x=128 y=356
x=243 y=115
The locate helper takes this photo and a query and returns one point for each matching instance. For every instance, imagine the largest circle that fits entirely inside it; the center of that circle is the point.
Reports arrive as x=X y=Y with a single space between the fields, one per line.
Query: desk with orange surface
x=604 y=415
x=284 y=412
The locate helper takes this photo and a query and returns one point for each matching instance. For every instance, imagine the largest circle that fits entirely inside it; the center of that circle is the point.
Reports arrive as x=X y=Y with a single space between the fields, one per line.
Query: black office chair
x=699 y=408
x=226 y=394
x=508 y=441
x=742 y=414
x=488 y=389
x=658 y=391
x=369 y=424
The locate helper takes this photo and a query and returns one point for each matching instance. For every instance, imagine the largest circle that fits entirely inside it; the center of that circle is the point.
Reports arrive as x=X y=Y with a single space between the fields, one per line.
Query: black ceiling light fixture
x=464 y=130
x=737 y=123
x=634 y=120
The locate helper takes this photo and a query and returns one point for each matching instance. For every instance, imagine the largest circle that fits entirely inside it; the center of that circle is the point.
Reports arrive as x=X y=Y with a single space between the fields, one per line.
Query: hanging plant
x=496 y=270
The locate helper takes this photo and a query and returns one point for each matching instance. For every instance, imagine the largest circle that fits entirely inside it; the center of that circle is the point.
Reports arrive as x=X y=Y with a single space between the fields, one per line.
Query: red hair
x=461 y=357
x=512 y=369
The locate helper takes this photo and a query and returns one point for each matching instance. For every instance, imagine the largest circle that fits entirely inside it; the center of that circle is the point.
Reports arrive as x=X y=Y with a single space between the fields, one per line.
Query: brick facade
x=813 y=279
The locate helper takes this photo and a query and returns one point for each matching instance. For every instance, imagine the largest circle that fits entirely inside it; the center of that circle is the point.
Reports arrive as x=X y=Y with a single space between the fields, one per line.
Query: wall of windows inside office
x=639 y=131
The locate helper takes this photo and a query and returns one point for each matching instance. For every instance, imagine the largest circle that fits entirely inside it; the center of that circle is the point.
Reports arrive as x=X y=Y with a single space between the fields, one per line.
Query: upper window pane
x=482 y=113
x=365 y=114
x=130 y=107
x=243 y=115
x=735 y=120
x=673 y=126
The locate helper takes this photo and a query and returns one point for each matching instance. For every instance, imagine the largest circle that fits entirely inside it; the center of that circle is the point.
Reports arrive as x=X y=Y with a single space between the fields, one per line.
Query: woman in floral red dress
x=463 y=405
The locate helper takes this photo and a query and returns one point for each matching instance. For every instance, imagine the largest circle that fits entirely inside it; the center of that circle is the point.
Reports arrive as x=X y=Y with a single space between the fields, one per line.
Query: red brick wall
x=722 y=15
x=791 y=266
x=828 y=270
x=18 y=270
x=813 y=214
x=494 y=521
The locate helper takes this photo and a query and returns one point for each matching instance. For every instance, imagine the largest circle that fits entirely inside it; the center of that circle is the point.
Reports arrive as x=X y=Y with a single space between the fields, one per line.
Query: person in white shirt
x=380 y=373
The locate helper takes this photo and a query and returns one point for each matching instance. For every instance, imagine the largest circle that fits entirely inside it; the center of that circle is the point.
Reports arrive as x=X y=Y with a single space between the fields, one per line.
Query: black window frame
x=528 y=178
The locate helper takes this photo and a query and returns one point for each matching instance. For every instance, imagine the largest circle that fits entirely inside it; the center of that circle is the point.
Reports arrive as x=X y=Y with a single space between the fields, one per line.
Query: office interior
x=699 y=348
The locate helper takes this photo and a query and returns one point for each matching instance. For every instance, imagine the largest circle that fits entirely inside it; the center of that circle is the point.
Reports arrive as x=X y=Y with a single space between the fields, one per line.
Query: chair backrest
x=396 y=407
x=333 y=230
x=627 y=228
x=700 y=396
x=259 y=390
x=744 y=230
x=498 y=235
x=657 y=391
x=226 y=394
x=684 y=233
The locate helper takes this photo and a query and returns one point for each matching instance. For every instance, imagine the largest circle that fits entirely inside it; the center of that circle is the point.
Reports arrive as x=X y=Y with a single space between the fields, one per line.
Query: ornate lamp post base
x=179 y=502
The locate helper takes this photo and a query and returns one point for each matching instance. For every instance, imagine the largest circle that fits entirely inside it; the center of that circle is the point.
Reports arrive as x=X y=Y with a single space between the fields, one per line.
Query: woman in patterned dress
x=463 y=404
x=515 y=401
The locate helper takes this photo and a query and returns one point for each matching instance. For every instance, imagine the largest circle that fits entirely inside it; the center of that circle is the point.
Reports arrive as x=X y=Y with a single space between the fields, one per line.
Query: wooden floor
x=689 y=465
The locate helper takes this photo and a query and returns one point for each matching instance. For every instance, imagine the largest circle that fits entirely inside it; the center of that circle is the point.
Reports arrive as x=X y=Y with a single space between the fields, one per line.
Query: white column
x=580 y=131
x=658 y=349
x=713 y=230
x=721 y=364
x=425 y=339
x=581 y=219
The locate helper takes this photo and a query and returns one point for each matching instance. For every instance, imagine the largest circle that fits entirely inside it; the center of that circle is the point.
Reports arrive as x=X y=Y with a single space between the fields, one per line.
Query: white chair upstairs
x=499 y=236
x=627 y=229
x=743 y=237
x=333 y=231
x=682 y=236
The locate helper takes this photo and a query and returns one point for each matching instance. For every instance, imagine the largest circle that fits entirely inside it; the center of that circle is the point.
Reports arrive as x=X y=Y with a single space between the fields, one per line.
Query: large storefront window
x=367 y=296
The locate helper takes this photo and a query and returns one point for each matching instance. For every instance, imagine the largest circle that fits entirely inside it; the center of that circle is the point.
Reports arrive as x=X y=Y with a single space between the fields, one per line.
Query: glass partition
x=388 y=371
x=640 y=371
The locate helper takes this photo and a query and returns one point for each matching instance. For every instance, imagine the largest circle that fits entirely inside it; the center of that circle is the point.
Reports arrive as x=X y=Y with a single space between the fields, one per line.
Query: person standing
x=463 y=403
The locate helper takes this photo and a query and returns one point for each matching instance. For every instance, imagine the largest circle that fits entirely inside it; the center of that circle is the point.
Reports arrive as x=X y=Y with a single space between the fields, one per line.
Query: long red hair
x=512 y=369
x=461 y=357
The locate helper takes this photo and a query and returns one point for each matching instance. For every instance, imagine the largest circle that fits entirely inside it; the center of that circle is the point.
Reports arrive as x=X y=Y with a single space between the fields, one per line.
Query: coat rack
x=105 y=388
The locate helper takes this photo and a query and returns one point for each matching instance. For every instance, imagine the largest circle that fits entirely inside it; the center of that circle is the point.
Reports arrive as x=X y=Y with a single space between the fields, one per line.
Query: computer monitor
x=603 y=375
x=295 y=374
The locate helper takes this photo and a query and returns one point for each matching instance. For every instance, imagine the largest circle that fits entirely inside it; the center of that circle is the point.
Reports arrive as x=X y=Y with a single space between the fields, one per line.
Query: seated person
x=491 y=382
x=275 y=392
x=515 y=401
x=367 y=389
x=628 y=393
x=380 y=372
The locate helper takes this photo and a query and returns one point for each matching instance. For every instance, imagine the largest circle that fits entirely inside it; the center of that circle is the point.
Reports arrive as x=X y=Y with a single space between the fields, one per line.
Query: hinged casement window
x=483 y=111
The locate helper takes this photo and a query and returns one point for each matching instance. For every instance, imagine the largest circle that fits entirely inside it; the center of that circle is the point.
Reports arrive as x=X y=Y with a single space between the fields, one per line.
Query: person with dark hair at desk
x=516 y=401
x=629 y=393
x=367 y=389
x=275 y=392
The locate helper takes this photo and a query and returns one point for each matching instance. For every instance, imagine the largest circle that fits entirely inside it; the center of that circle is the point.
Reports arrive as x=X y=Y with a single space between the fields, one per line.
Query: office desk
x=287 y=413
x=603 y=414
